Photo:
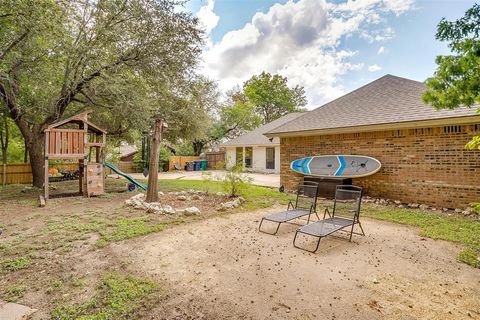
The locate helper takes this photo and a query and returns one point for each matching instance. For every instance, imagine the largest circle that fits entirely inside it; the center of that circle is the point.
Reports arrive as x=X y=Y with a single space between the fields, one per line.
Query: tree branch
x=13 y=44
x=67 y=97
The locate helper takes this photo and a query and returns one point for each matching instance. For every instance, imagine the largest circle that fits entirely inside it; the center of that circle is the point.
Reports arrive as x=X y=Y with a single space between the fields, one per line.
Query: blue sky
x=329 y=47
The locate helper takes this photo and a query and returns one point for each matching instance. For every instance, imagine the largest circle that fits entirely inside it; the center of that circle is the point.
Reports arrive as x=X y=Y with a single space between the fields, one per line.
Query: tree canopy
x=262 y=99
x=456 y=81
x=127 y=60
x=272 y=98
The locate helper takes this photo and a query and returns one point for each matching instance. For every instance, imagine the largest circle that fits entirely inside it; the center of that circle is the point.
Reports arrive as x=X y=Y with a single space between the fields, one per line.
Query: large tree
x=271 y=96
x=235 y=116
x=125 y=59
x=456 y=81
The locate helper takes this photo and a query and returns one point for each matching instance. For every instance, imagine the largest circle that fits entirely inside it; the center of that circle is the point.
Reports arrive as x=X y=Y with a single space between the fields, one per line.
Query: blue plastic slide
x=126 y=176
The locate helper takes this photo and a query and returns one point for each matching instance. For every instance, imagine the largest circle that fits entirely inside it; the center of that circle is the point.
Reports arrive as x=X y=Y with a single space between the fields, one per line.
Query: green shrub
x=234 y=180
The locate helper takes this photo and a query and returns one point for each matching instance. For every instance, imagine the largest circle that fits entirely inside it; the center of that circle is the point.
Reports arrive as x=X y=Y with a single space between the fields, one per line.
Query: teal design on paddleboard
x=336 y=166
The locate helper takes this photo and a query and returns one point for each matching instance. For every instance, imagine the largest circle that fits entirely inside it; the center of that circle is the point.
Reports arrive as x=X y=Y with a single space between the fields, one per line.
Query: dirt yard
x=224 y=268
x=218 y=266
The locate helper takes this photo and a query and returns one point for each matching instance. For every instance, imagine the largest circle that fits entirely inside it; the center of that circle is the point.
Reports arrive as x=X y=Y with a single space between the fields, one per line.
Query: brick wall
x=426 y=165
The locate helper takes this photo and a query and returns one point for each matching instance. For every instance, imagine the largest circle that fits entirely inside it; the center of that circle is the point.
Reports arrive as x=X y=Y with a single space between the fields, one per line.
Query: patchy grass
x=110 y=230
x=55 y=285
x=117 y=297
x=10 y=247
x=436 y=226
x=14 y=293
x=12 y=265
x=127 y=228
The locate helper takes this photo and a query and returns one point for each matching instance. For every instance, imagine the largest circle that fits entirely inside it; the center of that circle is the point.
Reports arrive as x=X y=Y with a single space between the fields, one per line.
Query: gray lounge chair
x=345 y=214
x=305 y=204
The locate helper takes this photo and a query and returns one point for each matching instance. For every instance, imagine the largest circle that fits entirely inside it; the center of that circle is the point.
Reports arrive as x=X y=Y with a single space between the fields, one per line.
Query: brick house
x=421 y=149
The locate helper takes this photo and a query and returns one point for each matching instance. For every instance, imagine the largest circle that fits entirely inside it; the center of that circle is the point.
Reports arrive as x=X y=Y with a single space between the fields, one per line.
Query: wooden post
x=46 y=153
x=80 y=176
x=152 y=190
x=85 y=162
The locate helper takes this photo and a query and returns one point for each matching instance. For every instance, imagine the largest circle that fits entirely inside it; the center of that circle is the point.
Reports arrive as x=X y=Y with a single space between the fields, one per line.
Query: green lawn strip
x=436 y=226
x=117 y=297
x=256 y=197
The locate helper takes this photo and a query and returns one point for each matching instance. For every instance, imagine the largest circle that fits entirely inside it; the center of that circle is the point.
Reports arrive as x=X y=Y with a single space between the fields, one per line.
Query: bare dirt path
x=223 y=268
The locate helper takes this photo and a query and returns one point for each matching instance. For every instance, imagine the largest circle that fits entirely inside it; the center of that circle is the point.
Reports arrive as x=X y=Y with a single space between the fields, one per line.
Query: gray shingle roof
x=256 y=137
x=387 y=100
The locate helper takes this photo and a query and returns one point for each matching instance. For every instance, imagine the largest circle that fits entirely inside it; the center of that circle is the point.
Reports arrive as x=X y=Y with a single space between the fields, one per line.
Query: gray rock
x=168 y=210
x=197 y=197
x=413 y=205
x=228 y=205
x=423 y=207
x=182 y=198
x=400 y=206
x=191 y=211
x=397 y=202
x=11 y=311
x=458 y=210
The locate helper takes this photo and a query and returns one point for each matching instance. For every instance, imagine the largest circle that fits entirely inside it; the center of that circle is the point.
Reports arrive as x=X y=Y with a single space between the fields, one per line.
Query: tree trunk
x=198 y=146
x=37 y=160
x=4 y=140
x=25 y=151
x=152 y=190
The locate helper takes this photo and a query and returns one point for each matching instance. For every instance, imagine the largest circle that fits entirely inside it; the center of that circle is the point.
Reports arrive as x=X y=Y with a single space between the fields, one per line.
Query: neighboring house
x=256 y=151
x=421 y=149
x=127 y=152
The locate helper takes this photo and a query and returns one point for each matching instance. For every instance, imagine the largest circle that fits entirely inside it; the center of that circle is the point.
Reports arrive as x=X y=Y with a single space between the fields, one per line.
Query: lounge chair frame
x=339 y=224
x=299 y=211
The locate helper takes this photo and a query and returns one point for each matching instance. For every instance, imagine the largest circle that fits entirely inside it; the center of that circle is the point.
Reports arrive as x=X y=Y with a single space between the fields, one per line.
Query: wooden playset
x=76 y=138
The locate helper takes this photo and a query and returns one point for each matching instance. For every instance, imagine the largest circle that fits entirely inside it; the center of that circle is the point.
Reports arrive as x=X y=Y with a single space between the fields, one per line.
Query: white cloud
x=301 y=40
x=381 y=50
x=374 y=68
x=207 y=17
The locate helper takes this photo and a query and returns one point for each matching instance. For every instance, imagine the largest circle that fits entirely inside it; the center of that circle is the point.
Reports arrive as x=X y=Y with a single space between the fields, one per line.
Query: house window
x=248 y=157
x=270 y=158
x=239 y=155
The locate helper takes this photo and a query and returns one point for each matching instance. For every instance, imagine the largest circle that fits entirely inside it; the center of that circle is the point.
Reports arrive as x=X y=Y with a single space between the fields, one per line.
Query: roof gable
x=256 y=137
x=387 y=100
x=78 y=119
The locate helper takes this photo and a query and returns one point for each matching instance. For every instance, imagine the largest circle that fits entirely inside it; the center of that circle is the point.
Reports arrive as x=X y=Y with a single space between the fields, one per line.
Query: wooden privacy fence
x=180 y=160
x=126 y=167
x=21 y=173
x=214 y=159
